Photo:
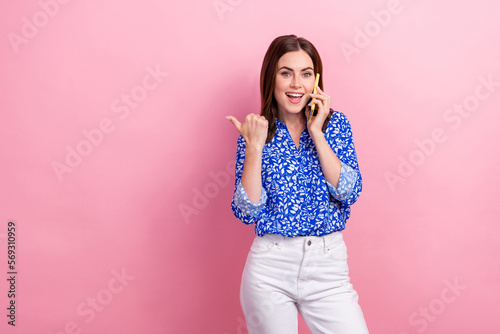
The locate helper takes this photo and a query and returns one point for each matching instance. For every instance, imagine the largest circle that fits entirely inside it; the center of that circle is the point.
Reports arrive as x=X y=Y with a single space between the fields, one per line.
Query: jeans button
x=309 y=243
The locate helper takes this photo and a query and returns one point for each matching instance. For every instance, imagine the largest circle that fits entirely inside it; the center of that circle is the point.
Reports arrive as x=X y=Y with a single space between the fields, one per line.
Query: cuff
x=347 y=180
x=245 y=205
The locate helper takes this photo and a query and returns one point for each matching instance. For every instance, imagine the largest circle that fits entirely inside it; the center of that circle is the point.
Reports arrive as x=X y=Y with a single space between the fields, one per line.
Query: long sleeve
x=242 y=207
x=339 y=136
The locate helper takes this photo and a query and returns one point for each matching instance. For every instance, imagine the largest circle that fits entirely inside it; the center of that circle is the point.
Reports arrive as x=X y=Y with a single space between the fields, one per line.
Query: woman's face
x=294 y=82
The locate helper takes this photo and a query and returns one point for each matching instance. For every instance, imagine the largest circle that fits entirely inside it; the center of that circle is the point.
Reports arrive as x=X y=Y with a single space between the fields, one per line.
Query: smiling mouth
x=294 y=97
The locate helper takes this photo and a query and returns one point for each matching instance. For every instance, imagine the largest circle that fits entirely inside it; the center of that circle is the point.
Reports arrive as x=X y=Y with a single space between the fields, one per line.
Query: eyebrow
x=288 y=68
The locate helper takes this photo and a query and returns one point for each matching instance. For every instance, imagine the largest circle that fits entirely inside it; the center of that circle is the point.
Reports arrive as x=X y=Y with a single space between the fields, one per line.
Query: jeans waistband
x=280 y=240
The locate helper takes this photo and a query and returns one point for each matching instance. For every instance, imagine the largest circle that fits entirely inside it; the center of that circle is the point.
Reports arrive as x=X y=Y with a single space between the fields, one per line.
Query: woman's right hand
x=254 y=130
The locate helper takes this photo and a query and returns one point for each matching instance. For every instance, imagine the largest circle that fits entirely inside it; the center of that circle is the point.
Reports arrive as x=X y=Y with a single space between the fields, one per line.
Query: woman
x=296 y=178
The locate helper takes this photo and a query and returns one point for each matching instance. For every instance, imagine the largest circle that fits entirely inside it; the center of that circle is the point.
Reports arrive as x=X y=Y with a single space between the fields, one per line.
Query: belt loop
x=325 y=244
x=283 y=240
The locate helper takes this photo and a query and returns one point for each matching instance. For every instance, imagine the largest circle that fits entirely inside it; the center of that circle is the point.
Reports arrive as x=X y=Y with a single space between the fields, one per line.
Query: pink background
x=427 y=218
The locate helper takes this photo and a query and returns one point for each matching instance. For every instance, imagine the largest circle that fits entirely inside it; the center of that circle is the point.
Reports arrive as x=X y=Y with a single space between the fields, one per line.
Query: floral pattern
x=296 y=199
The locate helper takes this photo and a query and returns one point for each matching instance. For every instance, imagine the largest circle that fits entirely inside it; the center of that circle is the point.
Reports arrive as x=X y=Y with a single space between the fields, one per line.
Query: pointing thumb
x=235 y=122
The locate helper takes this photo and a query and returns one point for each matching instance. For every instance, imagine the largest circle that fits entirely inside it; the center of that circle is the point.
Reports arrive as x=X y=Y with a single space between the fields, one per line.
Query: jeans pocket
x=261 y=245
x=337 y=249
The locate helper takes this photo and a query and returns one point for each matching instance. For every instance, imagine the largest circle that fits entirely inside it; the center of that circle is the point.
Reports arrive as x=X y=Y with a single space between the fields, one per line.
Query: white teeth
x=294 y=95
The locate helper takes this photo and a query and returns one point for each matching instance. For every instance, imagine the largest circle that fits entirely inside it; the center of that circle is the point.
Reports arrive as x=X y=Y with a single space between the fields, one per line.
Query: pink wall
x=112 y=116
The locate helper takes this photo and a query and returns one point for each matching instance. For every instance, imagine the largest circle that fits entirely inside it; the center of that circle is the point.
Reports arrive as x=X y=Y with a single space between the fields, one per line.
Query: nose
x=296 y=81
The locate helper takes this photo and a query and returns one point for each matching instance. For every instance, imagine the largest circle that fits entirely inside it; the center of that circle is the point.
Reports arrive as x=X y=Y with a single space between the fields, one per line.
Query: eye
x=285 y=74
x=307 y=74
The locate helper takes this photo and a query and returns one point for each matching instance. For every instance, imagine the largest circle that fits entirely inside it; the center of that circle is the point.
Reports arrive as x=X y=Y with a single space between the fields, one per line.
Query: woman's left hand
x=322 y=102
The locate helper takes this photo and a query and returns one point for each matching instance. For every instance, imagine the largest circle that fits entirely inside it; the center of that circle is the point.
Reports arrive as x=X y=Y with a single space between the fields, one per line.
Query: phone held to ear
x=314 y=112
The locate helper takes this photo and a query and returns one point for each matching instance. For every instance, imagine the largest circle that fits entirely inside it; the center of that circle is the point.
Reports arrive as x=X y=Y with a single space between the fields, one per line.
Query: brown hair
x=280 y=46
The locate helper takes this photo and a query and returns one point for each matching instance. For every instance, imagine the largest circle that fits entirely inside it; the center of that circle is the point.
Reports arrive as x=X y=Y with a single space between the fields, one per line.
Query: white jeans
x=306 y=274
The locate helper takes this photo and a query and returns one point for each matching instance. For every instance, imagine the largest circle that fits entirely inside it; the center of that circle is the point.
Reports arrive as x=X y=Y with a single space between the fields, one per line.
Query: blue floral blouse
x=296 y=199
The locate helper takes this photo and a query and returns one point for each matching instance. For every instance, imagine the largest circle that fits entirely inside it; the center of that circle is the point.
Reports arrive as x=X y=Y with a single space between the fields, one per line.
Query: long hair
x=280 y=46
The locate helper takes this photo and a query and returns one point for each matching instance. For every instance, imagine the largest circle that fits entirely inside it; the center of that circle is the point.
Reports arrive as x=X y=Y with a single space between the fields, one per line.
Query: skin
x=295 y=74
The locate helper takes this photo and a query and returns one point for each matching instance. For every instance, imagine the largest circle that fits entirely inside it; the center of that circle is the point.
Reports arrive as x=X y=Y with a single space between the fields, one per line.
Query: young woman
x=296 y=178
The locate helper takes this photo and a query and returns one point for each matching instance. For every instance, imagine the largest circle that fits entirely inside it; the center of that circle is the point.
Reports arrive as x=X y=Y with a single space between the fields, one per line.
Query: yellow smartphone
x=315 y=91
